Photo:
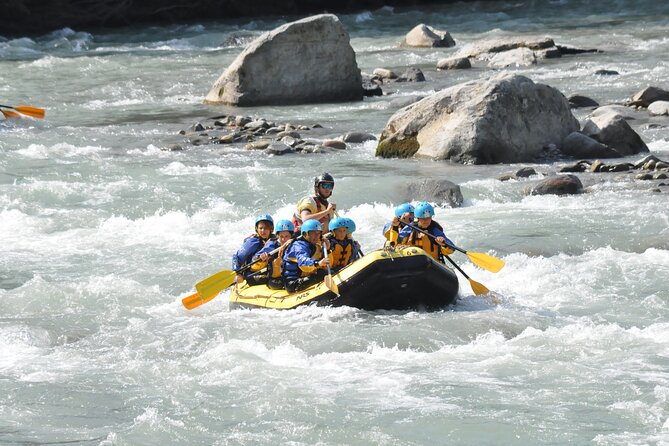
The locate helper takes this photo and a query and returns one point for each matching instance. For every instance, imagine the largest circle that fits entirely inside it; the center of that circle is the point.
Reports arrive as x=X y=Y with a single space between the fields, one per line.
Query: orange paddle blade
x=10 y=114
x=23 y=110
x=31 y=111
x=195 y=300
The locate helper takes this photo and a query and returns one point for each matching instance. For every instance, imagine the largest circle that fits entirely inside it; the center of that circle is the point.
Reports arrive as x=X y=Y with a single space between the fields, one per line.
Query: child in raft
x=272 y=261
x=436 y=243
x=342 y=248
x=252 y=244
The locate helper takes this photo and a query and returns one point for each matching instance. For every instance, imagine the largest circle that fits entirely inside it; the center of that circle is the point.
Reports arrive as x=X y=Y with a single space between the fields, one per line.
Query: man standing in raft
x=316 y=207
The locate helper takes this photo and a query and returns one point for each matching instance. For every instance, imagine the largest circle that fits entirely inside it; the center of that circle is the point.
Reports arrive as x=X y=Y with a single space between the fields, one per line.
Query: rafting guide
x=316 y=207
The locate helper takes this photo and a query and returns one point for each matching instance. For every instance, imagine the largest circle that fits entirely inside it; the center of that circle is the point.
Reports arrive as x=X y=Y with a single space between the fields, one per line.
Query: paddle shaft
x=447 y=245
x=457 y=267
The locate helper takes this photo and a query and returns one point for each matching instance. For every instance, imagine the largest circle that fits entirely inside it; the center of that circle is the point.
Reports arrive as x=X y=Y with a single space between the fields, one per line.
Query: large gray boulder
x=612 y=130
x=504 y=119
x=307 y=61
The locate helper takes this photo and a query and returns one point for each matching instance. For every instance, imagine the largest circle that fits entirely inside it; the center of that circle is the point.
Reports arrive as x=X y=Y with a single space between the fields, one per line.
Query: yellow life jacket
x=274 y=268
x=392 y=236
x=340 y=252
x=426 y=242
x=312 y=204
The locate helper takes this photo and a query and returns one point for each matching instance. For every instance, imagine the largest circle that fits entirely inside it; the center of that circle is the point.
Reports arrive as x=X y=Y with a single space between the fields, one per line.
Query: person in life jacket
x=350 y=229
x=250 y=247
x=272 y=262
x=316 y=207
x=435 y=245
x=343 y=249
x=403 y=213
x=303 y=263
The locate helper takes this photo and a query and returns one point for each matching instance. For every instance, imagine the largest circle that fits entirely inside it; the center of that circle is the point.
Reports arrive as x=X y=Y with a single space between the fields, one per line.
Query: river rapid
x=102 y=233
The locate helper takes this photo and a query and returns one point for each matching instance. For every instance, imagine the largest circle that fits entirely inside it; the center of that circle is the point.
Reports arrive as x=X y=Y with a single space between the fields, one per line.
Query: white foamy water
x=102 y=233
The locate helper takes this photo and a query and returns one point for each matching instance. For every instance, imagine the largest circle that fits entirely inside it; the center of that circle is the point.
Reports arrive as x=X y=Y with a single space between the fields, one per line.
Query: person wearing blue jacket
x=303 y=262
x=436 y=245
x=270 y=261
x=252 y=244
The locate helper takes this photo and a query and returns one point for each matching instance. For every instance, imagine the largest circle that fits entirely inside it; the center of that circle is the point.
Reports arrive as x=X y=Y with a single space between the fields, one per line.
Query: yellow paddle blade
x=31 y=111
x=332 y=286
x=213 y=285
x=447 y=251
x=194 y=301
x=478 y=288
x=485 y=261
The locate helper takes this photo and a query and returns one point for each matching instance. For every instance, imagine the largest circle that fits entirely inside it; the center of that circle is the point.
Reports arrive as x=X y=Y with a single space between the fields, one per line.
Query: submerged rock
x=578 y=145
x=454 y=63
x=310 y=60
x=578 y=101
x=482 y=48
x=435 y=191
x=424 y=36
x=558 y=185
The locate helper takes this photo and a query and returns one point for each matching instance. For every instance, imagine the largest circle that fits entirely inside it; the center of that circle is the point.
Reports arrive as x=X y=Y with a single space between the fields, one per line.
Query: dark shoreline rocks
x=260 y=134
x=34 y=17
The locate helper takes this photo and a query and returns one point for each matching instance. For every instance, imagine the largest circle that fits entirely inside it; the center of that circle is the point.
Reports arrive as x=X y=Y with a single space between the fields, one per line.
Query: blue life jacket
x=245 y=254
x=300 y=259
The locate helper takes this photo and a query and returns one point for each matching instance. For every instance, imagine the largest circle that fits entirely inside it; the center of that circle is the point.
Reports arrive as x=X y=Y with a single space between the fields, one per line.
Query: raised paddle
x=332 y=286
x=33 y=112
x=209 y=288
x=485 y=261
x=478 y=288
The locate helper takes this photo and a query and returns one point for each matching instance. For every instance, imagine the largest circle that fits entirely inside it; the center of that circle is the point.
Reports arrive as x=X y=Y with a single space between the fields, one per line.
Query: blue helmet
x=337 y=223
x=404 y=209
x=311 y=225
x=424 y=210
x=284 y=225
x=264 y=217
x=350 y=226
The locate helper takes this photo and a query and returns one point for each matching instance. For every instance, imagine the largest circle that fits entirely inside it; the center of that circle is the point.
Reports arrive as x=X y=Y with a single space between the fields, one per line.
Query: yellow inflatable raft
x=399 y=279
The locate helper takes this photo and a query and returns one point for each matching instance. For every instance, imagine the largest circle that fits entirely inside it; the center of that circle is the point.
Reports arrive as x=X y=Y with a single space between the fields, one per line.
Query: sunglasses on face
x=327 y=185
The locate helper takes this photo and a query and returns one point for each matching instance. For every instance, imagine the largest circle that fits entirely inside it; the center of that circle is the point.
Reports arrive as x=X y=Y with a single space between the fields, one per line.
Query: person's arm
x=307 y=214
x=243 y=255
x=441 y=238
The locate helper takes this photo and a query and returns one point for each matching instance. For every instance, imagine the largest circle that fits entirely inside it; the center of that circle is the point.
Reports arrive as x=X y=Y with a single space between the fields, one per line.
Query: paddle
x=33 y=112
x=328 y=279
x=477 y=287
x=485 y=261
x=209 y=288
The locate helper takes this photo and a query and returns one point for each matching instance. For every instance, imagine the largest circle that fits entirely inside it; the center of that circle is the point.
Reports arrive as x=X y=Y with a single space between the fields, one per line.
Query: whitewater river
x=102 y=233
